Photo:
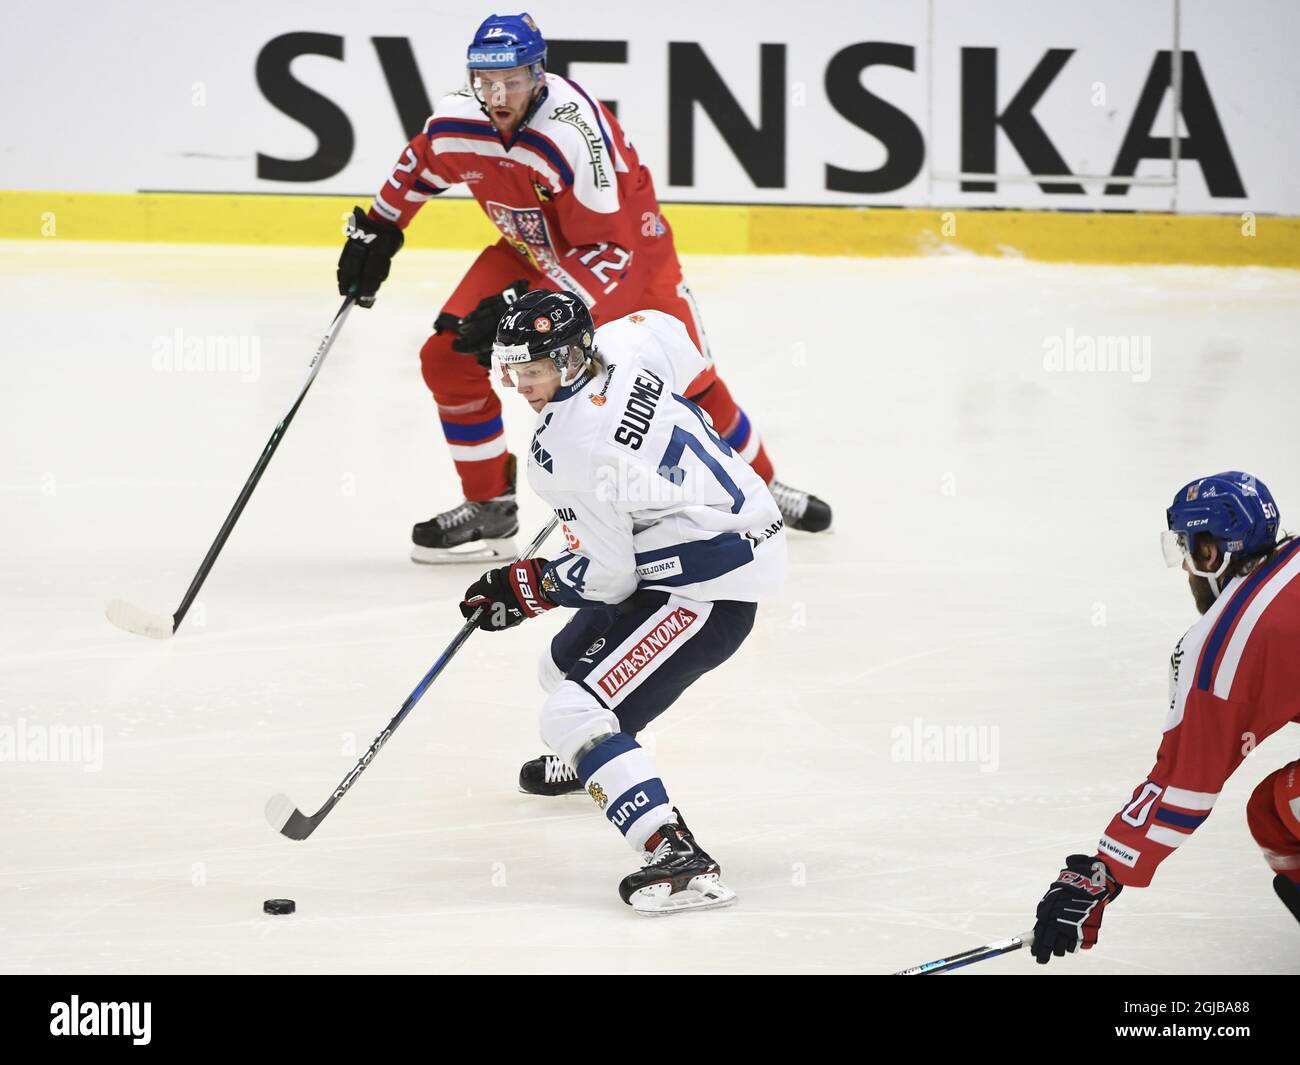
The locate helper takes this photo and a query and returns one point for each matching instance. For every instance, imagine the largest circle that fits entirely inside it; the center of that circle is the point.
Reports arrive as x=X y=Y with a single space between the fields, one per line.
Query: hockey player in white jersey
x=671 y=540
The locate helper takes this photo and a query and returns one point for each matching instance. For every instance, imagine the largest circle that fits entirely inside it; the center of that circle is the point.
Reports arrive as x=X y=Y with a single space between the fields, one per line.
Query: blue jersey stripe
x=1173 y=817
x=701 y=560
x=1219 y=634
x=536 y=140
x=487 y=131
x=469 y=126
x=472 y=434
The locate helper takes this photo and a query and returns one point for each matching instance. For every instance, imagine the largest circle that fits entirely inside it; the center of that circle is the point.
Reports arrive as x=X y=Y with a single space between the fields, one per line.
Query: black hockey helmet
x=542 y=324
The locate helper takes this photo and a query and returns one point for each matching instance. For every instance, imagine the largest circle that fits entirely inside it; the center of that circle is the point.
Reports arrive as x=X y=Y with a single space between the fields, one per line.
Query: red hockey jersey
x=567 y=191
x=1234 y=680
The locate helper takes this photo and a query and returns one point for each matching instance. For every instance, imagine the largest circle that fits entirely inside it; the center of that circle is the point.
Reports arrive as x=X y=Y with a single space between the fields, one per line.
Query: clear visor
x=504 y=88
x=515 y=369
x=524 y=374
x=1176 y=547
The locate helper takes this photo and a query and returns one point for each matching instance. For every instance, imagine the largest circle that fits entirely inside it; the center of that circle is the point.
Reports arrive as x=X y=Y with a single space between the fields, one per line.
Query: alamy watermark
x=27 y=742
x=919 y=742
x=179 y=352
x=1084 y=353
x=130 y=1019
x=630 y=482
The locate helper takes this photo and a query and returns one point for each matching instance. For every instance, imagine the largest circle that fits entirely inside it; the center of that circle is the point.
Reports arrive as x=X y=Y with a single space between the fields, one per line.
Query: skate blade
x=478 y=551
x=557 y=795
x=703 y=893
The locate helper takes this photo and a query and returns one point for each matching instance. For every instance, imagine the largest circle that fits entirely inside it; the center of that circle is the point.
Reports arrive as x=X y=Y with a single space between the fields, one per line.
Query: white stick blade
x=143 y=623
x=279 y=808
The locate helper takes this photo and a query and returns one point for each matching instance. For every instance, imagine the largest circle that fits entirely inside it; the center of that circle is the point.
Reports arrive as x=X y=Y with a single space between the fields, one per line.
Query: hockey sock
x=619 y=775
x=470 y=413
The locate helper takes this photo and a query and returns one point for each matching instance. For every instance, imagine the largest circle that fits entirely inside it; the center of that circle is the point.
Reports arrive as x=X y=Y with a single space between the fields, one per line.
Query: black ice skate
x=471 y=532
x=677 y=876
x=801 y=510
x=548 y=775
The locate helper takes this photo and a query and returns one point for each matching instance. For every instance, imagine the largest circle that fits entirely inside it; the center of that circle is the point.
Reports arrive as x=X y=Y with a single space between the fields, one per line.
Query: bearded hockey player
x=577 y=212
x=671 y=540
x=1234 y=680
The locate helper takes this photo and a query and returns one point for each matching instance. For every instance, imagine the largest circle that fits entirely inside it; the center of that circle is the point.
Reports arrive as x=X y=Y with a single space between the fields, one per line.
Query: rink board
x=713 y=229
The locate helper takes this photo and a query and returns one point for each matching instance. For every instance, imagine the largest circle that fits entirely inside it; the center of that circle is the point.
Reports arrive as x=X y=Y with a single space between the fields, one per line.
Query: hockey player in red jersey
x=554 y=172
x=1234 y=680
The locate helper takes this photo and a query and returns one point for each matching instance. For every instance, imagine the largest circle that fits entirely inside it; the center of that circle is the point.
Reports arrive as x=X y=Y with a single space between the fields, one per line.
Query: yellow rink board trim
x=704 y=229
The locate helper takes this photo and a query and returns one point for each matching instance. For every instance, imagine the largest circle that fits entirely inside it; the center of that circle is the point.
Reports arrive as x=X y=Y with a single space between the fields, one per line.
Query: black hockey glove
x=366 y=257
x=1070 y=914
x=509 y=595
x=478 y=329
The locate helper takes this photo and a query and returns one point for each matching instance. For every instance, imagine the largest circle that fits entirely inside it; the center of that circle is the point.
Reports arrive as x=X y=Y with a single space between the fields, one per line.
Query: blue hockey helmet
x=505 y=41
x=1234 y=508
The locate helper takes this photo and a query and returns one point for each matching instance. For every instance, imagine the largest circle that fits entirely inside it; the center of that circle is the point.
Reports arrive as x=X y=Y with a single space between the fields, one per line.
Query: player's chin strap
x=1212 y=578
x=537 y=102
x=580 y=374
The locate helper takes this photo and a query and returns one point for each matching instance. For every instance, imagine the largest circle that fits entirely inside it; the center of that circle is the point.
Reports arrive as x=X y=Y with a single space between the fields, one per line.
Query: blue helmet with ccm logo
x=1234 y=508
x=505 y=41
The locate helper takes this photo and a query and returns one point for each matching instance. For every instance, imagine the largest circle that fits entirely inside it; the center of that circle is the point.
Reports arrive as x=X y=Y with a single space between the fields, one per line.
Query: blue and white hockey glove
x=1069 y=917
x=509 y=595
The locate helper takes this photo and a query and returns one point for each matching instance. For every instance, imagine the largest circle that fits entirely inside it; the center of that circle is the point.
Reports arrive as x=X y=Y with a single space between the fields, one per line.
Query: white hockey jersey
x=650 y=496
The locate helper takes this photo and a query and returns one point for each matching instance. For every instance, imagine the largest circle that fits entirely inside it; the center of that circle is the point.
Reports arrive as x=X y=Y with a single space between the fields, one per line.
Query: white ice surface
x=995 y=563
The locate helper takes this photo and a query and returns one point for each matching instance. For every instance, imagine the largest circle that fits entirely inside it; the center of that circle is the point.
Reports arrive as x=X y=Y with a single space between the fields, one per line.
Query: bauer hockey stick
x=970 y=957
x=288 y=820
x=144 y=623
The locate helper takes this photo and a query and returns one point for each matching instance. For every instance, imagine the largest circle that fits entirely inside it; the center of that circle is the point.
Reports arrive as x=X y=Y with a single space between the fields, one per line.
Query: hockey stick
x=1289 y=893
x=288 y=820
x=970 y=957
x=145 y=623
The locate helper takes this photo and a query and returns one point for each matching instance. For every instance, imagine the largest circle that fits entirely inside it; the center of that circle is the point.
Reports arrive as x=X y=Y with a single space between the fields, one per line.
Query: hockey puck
x=278 y=906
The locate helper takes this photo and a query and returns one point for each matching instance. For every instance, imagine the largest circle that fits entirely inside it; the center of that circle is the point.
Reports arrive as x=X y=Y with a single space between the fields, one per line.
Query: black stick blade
x=287 y=819
x=1288 y=893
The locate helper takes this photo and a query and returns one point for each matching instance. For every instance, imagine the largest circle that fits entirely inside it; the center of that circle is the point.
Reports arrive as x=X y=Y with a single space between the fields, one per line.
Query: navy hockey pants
x=636 y=658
